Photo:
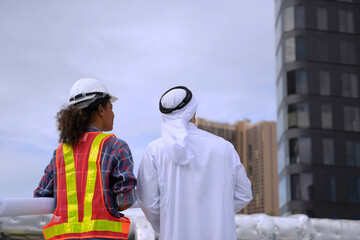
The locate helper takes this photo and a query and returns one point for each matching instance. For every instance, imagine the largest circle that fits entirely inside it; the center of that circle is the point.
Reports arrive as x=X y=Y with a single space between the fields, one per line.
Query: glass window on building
x=281 y=157
x=250 y=152
x=305 y=149
x=278 y=30
x=351 y=119
x=291 y=82
x=279 y=59
x=324 y=78
x=289 y=19
x=300 y=48
x=300 y=150
x=328 y=151
x=294 y=151
x=292 y=116
x=280 y=90
x=295 y=49
x=306 y=186
x=349 y=85
x=283 y=192
x=294 y=17
x=347 y=52
x=353 y=153
x=297 y=82
x=301 y=187
x=322 y=50
x=295 y=186
x=298 y=115
x=280 y=125
x=290 y=50
x=299 y=17
x=321 y=19
x=331 y=188
x=354 y=189
x=303 y=115
x=326 y=116
x=346 y=21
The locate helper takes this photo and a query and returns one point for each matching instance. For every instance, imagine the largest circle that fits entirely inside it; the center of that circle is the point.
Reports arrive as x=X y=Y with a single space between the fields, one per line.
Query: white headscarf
x=174 y=126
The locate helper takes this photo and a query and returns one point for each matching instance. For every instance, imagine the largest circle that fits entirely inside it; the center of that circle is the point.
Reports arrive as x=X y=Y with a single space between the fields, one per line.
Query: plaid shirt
x=117 y=175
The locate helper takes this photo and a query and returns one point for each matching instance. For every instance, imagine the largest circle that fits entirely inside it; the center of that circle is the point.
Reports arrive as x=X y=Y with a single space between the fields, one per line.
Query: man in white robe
x=190 y=182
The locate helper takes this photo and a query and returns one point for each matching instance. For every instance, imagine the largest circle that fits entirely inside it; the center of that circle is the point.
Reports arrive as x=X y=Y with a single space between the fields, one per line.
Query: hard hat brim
x=86 y=101
x=113 y=98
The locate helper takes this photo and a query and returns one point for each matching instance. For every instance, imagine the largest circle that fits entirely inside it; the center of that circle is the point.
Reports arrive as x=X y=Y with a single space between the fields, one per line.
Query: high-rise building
x=318 y=107
x=256 y=146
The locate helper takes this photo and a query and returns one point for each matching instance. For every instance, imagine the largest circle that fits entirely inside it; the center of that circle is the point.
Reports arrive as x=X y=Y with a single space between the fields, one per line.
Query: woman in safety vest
x=90 y=174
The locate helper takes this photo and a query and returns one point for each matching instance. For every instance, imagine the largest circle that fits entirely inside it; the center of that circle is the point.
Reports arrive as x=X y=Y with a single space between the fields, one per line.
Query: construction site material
x=11 y=207
x=254 y=226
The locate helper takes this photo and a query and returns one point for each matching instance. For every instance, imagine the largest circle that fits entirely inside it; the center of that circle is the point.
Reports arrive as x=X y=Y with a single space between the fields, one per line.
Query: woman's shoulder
x=116 y=143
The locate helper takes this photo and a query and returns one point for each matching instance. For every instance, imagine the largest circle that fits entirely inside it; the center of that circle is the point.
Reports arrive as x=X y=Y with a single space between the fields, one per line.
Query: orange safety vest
x=80 y=211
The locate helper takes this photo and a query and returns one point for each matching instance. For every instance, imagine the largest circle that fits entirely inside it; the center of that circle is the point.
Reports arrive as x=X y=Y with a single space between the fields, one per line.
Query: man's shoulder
x=209 y=136
x=213 y=140
x=154 y=146
x=156 y=143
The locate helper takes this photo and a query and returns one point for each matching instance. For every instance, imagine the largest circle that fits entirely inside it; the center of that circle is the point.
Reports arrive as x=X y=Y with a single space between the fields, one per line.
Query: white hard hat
x=86 y=90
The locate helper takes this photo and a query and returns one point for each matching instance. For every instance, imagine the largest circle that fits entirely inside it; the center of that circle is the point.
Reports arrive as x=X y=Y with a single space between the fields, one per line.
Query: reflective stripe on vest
x=118 y=229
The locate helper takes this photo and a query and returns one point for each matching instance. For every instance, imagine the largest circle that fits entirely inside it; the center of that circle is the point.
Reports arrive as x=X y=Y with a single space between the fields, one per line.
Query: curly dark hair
x=72 y=122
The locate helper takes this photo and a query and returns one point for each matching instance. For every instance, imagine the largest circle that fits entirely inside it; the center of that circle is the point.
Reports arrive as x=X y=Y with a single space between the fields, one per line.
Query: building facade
x=256 y=146
x=318 y=107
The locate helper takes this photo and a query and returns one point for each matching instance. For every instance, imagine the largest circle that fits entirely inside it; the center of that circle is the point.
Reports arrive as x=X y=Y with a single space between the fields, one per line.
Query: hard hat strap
x=83 y=95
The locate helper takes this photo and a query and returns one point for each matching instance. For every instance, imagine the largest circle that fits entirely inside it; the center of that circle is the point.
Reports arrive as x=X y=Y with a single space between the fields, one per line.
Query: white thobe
x=197 y=200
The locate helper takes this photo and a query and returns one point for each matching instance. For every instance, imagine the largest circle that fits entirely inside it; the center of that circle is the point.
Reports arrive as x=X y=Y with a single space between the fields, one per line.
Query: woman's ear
x=101 y=109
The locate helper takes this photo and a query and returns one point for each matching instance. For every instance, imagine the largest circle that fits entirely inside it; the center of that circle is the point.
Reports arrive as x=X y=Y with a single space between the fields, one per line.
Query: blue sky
x=222 y=50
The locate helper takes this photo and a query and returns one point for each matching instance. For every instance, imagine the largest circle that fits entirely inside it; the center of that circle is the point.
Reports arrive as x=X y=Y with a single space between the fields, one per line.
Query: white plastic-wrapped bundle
x=293 y=227
x=245 y=226
x=248 y=227
x=335 y=229
x=10 y=207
